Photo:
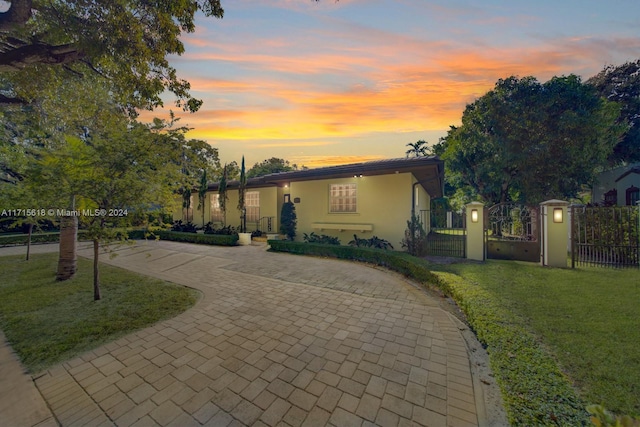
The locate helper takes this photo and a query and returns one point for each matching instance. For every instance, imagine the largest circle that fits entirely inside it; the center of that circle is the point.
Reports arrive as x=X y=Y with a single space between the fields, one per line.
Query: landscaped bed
x=47 y=321
x=546 y=330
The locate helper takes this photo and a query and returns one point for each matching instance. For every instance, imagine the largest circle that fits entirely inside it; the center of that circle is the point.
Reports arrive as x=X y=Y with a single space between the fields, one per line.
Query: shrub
x=206 y=239
x=209 y=228
x=288 y=220
x=256 y=233
x=374 y=242
x=415 y=237
x=178 y=225
x=322 y=238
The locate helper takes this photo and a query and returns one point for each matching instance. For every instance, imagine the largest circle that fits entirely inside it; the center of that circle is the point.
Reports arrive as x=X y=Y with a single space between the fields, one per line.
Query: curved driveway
x=276 y=339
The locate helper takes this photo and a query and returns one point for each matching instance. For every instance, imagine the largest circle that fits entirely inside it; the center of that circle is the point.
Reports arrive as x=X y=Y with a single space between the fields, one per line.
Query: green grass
x=588 y=319
x=47 y=321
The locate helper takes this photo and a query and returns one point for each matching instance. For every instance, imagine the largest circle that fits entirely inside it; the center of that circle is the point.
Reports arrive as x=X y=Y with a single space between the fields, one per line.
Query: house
x=619 y=186
x=367 y=199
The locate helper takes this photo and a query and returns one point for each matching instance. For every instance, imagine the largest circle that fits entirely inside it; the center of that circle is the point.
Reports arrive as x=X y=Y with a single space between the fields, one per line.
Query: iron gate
x=447 y=233
x=605 y=236
x=513 y=232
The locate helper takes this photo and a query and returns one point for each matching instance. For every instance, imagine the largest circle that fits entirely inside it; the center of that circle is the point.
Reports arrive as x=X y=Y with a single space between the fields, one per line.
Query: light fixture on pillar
x=474 y=215
x=557 y=215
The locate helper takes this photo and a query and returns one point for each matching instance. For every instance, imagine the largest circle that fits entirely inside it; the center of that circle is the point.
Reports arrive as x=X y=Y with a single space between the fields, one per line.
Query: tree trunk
x=29 y=241
x=96 y=272
x=68 y=258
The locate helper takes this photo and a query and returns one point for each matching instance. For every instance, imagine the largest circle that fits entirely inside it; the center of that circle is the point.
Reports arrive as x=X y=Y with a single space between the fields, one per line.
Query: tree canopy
x=125 y=41
x=531 y=141
x=418 y=149
x=622 y=85
x=272 y=165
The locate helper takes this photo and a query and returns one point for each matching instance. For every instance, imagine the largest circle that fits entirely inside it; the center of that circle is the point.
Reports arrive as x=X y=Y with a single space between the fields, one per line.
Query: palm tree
x=418 y=149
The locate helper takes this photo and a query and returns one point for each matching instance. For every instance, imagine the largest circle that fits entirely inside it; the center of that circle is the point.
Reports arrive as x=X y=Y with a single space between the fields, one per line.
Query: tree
x=222 y=195
x=418 y=149
x=621 y=84
x=127 y=42
x=202 y=193
x=272 y=165
x=242 y=187
x=530 y=142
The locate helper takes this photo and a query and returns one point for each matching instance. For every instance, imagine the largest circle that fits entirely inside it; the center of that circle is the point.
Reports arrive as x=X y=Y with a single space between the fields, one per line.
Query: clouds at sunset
x=312 y=82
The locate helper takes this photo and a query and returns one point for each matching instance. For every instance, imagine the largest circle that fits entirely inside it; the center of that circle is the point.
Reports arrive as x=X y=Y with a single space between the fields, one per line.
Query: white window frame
x=252 y=205
x=343 y=198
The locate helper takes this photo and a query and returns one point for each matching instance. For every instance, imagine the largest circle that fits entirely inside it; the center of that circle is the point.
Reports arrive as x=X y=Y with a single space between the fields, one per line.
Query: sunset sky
x=340 y=82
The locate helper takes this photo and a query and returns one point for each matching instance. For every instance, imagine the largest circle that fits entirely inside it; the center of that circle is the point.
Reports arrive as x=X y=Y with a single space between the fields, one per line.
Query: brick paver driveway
x=275 y=340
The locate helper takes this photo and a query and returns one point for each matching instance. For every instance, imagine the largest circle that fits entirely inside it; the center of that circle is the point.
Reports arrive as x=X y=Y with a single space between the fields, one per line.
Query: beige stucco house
x=367 y=199
x=619 y=186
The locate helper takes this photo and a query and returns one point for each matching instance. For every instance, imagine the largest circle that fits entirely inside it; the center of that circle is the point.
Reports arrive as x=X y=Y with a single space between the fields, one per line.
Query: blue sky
x=340 y=82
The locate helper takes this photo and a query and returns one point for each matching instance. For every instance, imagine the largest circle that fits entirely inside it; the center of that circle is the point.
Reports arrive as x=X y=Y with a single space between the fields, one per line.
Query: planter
x=273 y=237
x=244 y=239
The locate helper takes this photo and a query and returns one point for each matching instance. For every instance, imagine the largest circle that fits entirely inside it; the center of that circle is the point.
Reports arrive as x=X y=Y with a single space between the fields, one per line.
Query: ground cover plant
x=47 y=321
x=530 y=318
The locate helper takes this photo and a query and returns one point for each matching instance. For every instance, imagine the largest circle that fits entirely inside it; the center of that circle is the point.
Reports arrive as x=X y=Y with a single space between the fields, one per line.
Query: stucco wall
x=383 y=204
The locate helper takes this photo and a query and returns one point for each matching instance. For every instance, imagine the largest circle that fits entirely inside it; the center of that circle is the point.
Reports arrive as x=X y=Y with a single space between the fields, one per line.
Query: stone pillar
x=475 y=231
x=555 y=228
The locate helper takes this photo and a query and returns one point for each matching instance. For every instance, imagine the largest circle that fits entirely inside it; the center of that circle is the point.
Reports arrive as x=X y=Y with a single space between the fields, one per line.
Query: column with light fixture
x=555 y=231
x=475 y=231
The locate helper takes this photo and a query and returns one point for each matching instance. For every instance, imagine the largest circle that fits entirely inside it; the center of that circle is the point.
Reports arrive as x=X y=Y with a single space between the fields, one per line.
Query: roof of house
x=635 y=169
x=429 y=171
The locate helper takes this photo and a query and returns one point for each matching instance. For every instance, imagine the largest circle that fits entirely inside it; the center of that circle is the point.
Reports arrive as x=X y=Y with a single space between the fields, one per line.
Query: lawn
x=588 y=319
x=47 y=321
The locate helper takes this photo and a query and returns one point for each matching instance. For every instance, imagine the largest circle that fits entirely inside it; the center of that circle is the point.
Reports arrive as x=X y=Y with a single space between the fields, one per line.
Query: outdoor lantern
x=557 y=215
x=474 y=215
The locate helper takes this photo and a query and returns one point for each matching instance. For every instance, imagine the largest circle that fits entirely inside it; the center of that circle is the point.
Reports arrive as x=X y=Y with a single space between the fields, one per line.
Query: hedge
x=176 y=236
x=534 y=390
x=206 y=239
x=22 y=239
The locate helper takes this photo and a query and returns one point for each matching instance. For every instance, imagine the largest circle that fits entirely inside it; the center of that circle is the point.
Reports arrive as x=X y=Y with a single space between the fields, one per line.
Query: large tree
x=622 y=85
x=530 y=142
x=126 y=41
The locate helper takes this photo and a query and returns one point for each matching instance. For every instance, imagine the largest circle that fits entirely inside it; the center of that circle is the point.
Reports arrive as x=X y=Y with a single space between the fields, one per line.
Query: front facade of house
x=368 y=199
x=619 y=186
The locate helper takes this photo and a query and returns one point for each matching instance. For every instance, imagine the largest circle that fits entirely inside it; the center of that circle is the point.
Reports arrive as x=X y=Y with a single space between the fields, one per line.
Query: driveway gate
x=513 y=232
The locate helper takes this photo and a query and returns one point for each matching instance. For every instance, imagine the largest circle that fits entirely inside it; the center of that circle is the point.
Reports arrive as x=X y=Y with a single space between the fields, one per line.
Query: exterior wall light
x=557 y=215
x=474 y=215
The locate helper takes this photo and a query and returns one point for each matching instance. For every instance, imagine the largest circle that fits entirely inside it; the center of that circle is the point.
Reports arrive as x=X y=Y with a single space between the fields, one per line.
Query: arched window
x=633 y=195
x=611 y=197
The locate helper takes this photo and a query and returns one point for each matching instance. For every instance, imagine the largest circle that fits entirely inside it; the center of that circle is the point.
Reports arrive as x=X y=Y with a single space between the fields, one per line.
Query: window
x=252 y=205
x=611 y=197
x=633 y=195
x=216 y=212
x=342 y=198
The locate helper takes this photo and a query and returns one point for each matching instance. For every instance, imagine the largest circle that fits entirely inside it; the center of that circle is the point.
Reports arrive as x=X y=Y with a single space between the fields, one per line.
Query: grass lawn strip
x=47 y=322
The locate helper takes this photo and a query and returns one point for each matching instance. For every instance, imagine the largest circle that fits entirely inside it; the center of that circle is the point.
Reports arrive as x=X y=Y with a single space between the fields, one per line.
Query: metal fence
x=605 y=236
x=447 y=233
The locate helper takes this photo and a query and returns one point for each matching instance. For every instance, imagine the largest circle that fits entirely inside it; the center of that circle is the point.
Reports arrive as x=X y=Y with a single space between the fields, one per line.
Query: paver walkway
x=275 y=340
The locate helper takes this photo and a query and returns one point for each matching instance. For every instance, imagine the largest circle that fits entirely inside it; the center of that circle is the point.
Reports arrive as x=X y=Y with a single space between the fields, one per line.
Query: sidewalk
x=21 y=404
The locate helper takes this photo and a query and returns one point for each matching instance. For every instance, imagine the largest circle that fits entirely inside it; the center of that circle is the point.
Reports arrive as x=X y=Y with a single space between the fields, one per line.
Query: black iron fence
x=605 y=236
x=447 y=232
